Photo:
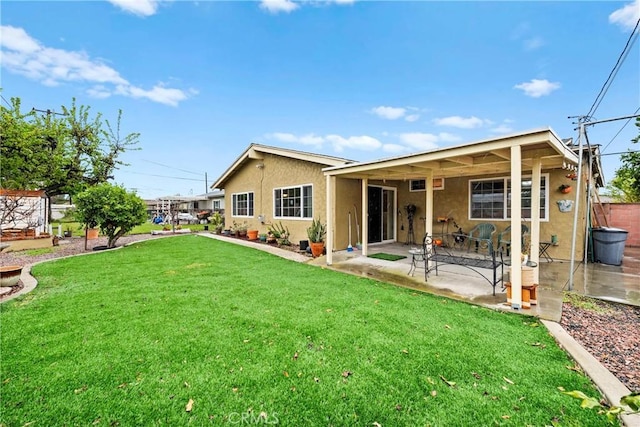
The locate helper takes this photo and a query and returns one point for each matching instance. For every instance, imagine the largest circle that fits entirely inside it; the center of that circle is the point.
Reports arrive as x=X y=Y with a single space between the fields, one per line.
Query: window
x=420 y=184
x=242 y=204
x=491 y=198
x=293 y=202
x=216 y=205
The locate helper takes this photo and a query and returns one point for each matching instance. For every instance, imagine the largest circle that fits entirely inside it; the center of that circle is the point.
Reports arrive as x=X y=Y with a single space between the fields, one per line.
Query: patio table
x=543 y=251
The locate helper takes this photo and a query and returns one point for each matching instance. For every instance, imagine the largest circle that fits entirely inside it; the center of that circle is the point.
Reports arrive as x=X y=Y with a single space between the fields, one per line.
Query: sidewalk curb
x=607 y=383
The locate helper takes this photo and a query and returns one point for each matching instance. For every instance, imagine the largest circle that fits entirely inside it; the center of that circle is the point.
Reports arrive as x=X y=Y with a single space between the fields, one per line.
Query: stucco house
x=267 y=185
x=506 y=181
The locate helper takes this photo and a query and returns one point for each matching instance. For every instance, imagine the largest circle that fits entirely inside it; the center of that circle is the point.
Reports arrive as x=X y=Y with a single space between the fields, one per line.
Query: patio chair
x=482 y=235
x=504 y=238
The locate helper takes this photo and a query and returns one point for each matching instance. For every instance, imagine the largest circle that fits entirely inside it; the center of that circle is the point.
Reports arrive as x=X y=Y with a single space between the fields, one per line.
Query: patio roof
x=475 y=158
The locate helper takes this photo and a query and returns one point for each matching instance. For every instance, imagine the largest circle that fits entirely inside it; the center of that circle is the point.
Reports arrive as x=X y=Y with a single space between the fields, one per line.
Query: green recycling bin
x=608 y=244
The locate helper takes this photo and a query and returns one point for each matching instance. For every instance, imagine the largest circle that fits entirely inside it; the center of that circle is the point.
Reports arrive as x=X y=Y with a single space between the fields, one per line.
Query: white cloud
x=394 y=148
x=158 y=93
x=308 y=139
x=503 y=128
x=99 y=92
x=24 y=55
x=137 y=7
x=533 y=43
x=394 y=113
x=626 y=16
x=448 y=137
x=426 y=141
x=277 y=6
x=460 y=122
x=389 y=113
x=537 y=88
x=344 y=1
x=420 y=141
x=366 y=143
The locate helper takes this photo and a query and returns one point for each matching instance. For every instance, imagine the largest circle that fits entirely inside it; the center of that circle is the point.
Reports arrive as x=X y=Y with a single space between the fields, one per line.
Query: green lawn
x=132 y=336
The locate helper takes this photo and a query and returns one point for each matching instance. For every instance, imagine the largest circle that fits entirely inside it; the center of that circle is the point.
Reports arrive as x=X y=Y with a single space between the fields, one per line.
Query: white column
x=428 y=226
x=330 y=225
x=516 y=214
x=365 y=217
x=534 y=254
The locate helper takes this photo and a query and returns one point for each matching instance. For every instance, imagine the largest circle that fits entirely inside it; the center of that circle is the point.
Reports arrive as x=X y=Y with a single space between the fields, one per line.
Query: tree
x=625 y=185
x=110 y=208
x=59 y=154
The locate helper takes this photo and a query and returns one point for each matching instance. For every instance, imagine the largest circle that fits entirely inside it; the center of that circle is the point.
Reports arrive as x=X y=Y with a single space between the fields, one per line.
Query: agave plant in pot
x=316 y=233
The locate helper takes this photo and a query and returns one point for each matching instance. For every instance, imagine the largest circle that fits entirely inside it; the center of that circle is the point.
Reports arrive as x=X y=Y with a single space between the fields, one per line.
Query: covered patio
x=612 y=283
x=526 y=155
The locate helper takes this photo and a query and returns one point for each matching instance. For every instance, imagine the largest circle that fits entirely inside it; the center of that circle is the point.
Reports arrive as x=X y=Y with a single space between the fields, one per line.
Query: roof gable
x=257 y=151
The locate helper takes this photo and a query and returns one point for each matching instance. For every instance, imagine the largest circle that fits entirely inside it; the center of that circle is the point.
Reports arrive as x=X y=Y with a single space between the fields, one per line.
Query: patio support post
x=364 y=223
x=534 y=252
x=330 y=225
x=516 y=219
x=428 y=226
x=429 y=203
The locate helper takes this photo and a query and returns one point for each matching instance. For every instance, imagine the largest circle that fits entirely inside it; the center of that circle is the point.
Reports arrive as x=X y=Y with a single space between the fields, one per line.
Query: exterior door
x=382 y=219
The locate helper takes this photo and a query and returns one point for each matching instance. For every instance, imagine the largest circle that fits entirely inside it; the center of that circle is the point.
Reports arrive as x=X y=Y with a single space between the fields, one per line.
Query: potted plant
x=217 y=222
x=278 y=233
x=68 y=231
x=316 y=233
x=252 y=234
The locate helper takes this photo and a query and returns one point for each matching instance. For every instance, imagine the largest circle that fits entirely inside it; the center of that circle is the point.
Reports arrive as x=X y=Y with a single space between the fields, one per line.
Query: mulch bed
x=611 y=333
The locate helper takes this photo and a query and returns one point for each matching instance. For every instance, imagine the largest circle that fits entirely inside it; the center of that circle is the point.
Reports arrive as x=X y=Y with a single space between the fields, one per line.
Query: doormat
x=387 y=257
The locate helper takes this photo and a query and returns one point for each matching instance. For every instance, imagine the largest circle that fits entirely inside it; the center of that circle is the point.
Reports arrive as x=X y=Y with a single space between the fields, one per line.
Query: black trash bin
x=608 y=244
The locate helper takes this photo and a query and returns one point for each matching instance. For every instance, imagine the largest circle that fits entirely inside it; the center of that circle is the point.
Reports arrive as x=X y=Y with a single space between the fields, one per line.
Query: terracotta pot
x=316 y=249
x=92 y=233
x=252 y=234
x=10 y=274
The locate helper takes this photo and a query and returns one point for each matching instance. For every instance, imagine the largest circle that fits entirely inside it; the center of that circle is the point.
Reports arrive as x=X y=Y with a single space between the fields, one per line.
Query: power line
x=171 y=167
x=621 y=129
x=614 y=71
x=163 y=176
x=6 y=102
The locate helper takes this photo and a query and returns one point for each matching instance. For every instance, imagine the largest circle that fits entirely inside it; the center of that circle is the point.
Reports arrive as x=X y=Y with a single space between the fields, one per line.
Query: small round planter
x=252 y=234
x=10 y=275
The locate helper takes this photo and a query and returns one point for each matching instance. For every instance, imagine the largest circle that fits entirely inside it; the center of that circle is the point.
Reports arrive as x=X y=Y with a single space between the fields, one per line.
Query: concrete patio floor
x=612 y=283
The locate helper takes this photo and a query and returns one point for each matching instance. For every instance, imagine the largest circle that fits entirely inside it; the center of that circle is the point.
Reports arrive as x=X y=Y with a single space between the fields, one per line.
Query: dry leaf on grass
x=449 y=383
x=189 y=406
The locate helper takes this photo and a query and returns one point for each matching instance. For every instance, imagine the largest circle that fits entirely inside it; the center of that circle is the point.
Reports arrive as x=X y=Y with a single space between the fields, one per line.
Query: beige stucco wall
x=277 y=172
x=348 y=193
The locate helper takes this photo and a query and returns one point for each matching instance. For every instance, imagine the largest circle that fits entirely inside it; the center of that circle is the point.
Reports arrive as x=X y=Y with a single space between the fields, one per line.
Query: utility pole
x=206 y=184
x=582 y=134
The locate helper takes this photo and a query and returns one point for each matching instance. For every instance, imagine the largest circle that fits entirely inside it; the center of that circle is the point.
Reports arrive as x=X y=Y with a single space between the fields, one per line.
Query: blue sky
x=201 y=80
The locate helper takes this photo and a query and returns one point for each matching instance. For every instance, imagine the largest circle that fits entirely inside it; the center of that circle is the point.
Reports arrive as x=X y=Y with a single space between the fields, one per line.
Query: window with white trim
x=491 y=198
x=293 y=202
x=242 y=204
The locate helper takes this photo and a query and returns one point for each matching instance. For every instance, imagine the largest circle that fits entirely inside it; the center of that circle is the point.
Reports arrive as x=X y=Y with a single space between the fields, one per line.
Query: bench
x=432 y=256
